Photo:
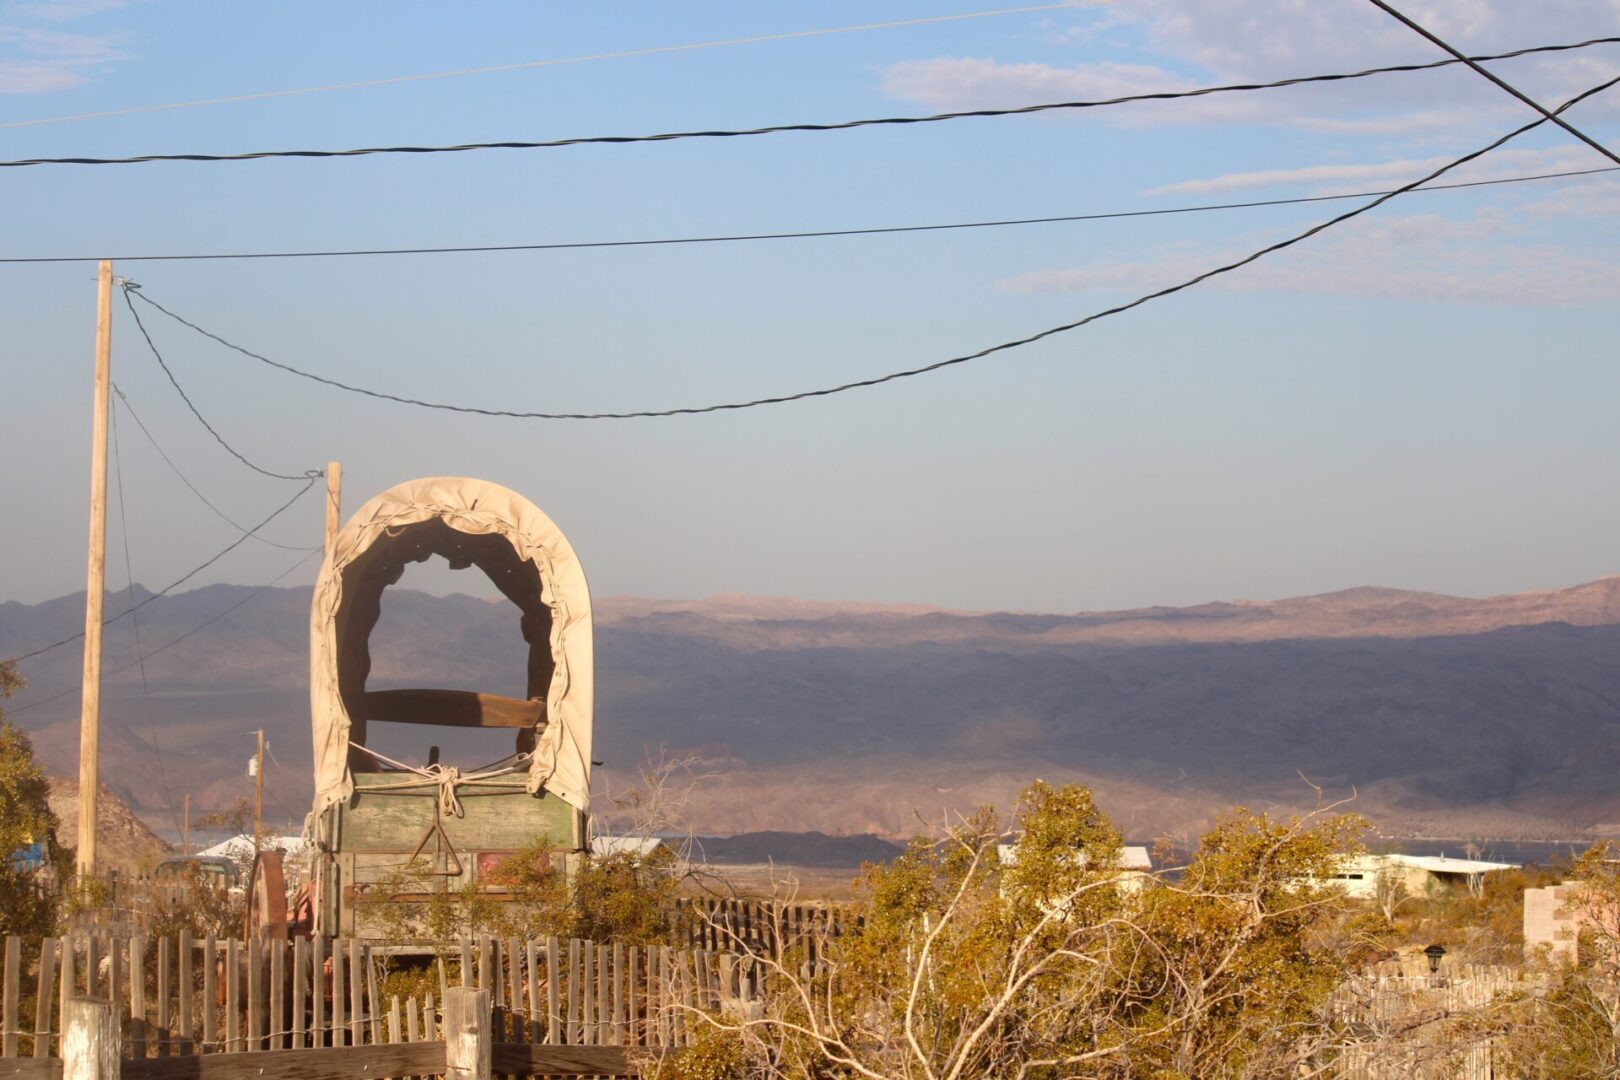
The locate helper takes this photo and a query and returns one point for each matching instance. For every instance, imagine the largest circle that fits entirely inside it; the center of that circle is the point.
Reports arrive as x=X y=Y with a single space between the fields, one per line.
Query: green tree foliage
x=28 y=906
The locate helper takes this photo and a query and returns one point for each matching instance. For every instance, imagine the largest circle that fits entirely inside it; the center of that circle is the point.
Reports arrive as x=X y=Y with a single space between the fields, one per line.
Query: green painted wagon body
x=395 y=840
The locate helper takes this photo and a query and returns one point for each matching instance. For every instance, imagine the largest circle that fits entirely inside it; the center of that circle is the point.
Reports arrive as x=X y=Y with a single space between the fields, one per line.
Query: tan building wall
x=1549 y=921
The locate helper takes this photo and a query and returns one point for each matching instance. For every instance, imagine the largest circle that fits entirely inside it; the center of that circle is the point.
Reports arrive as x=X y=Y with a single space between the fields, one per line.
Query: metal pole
x=90 y=702
x=258 y=793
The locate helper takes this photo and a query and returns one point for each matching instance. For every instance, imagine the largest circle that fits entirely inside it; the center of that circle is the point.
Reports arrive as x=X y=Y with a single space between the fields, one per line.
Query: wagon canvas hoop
x=459 y=518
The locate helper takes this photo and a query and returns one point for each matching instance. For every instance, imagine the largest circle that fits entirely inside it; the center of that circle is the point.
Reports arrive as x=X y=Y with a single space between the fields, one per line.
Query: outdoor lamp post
x=1434 y=953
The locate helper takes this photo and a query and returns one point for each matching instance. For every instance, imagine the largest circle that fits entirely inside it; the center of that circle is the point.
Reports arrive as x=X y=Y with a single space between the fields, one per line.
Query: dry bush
x=1058 y=965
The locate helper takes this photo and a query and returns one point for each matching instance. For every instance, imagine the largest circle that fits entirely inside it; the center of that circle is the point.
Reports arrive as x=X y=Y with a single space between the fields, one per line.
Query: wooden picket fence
x=179 y=997
x=1392 y=1018
x=767 y=928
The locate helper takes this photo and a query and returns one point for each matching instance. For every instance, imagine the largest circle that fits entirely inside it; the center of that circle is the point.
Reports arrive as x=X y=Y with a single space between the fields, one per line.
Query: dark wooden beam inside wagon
x=450 y=708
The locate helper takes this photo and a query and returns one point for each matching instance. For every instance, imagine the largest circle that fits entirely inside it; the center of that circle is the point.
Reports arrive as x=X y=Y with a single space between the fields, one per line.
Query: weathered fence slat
x=13 y=990
x=493 y=980
x=574 y=977
x=137 y=992
x=300 y=967
x=115 y=960
x=210 y=993
x=162 y=1031
x=277 y=1028
x=632 y=1004
x=554 y=1033
x=686 y=971
x=620 y=1016
x=317 y=982
x=357 y=995
x=233 y=996
x=587 y=994
x=658 y=988
x=514 y=972
x=604 y=987
x=42 y=998
x=68 y=988
x=531 y=957
x=255 y=994
x=186 y=1043
x=371 y=997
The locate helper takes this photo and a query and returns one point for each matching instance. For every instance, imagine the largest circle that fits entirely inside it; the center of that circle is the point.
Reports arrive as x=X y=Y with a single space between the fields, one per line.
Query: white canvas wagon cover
x=470 y=522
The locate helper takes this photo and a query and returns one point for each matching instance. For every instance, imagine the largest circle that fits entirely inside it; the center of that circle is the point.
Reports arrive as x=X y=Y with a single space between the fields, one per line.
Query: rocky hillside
x=122 y=839
x=1446 y=716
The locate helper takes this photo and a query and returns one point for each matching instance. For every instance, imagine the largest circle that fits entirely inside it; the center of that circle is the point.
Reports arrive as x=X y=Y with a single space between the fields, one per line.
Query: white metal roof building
x=241 y=847
x=1130 y=857
x=1361 y=875
x=638 y=846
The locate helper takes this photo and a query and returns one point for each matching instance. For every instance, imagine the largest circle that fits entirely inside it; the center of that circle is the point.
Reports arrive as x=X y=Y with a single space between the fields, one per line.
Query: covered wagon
x=392 y=831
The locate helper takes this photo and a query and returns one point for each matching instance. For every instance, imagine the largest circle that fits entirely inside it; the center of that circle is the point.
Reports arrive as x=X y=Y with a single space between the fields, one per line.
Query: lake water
x=1525 y=852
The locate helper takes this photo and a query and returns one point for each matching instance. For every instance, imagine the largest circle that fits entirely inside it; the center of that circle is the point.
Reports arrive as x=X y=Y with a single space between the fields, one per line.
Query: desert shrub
x=714 y=1053
x=211 y=908
x=1058 y=965
x=619 y=898
x=30 y=860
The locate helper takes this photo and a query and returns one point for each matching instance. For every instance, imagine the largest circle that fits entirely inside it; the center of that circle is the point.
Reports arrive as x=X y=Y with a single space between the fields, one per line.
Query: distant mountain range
x=1446 y=716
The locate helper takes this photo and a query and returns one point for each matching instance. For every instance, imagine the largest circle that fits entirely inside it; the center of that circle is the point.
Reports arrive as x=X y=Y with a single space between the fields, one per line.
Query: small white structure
x=638 y=847
x=1135 y=864
x=1364 y=876
x=240 y=847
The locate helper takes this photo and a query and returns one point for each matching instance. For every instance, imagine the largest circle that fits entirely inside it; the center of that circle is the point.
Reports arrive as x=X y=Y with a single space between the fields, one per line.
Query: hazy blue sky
x=1424 y=398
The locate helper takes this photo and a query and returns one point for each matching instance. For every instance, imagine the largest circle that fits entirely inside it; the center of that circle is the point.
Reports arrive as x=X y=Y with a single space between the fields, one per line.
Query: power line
x=195 y=630
x=622 y=54
x=135 y=621
x=1497 y=80
x=910 y=372
x=232 y=546
x=845 y=125
x=804 y=234
x=123 y=400
x=130 y=287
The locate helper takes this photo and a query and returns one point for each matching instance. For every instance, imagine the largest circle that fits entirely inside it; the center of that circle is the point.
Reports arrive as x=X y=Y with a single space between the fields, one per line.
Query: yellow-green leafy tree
x=28 y=903
x=1058 y=963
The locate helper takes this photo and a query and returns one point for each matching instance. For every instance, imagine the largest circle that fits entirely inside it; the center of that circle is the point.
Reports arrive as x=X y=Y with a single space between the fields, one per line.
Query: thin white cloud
x=63 y=10
x=1337 y=178
x=34 y=61
x=1596 y=198
x=1262 y=40
x=1477 y=260
x=970 y=82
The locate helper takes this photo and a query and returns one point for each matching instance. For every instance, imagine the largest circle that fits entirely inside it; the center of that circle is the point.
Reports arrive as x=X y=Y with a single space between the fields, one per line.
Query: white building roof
x=625 y=845
x=1131 y=857
x=241 y=847
x=1434 y=864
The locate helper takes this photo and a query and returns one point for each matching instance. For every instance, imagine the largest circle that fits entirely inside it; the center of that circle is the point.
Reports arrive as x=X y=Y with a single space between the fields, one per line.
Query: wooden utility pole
x=185 y=829
x=258 y=793
x=334 y=502
x=90 y=701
